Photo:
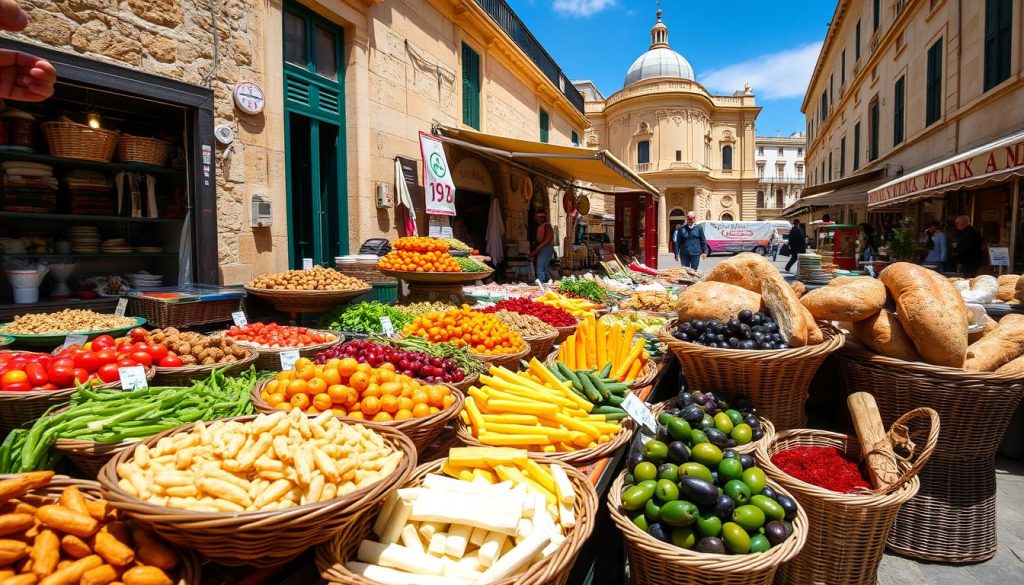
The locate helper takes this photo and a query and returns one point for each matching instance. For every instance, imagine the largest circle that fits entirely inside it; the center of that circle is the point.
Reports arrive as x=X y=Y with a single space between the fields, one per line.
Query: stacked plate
x=116 y=246
x=811 y=271
x=144 y=280
x=85 y=239
x=149 y=249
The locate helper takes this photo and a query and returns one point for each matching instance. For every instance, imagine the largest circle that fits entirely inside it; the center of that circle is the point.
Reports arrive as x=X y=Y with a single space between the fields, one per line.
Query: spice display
x=577 y=307
x=76 y=539
x=649 y=324
x=595 y=345
x=346 y=387
x=586 y=289
x=482 y=333
x=470 y=265
x=415 y=364
x=66 y=321
x=196 y=349
x=272 y=462
x=458 y=354
x=655 y=301
x=364 y=317
x=315 y=278
x=486 y=517
x=553 y=316
x=274 y=336
x=525 y=325
x=826 y=467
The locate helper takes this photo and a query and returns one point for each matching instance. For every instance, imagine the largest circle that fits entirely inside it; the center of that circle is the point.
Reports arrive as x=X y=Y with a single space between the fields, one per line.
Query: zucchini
x=606 y=409
x=615 y=416
x=617 y=387
x=588 y=387
x=596 y=381
x=571 y=375
x=615 y=399
x=557 y=373
x=606 y=370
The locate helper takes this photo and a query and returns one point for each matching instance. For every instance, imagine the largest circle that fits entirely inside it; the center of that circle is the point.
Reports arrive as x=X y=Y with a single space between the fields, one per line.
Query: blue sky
x=773 y=45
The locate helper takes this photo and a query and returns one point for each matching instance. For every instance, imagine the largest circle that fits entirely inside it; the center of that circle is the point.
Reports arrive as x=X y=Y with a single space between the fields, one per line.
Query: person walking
x=691 y=246
x=797 y=243
x=545 y=248
x=774 y=244
x=968 y=247
x=938 y=246
x=868 y=242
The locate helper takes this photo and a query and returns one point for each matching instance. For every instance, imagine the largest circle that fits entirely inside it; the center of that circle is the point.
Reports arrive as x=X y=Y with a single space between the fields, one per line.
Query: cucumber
x=615 y=399
x=615 y=416
x=596 y=381
x=571 y=375
x=606 y=409
x=588 y=387
x=616 y=387
x=557 y=373
x=606 y=370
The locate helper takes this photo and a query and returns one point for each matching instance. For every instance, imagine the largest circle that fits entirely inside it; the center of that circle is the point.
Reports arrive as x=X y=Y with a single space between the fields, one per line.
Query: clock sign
x=249 y=97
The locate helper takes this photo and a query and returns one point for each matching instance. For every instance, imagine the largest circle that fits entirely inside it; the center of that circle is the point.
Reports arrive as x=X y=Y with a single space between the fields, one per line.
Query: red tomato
x=170 y=361
x=62 y=372
x=17 y=387
x=49 y=386
x=124 y=347
x=36 y=373
x=88 y=361
x=107 y=356
x=18 y=363
x=139 y=334
x=108 y=373
x=126 y=363
x=103 y=342
x=158 y=351
x=143 y=358
x=81 y=375
x=14 y=377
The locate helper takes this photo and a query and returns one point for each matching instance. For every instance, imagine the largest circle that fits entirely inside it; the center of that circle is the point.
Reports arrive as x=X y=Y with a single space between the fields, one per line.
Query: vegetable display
x=455 y=244
x=66 y=321
x=470 y=265
x=525 y=325
x=345 y=387
x=75 y=540
x=535 y=410
x=315 y=278
x=643 y=323
x=273 y=462
x=553 y=316
x=710 y=417
x=574 y=306
x=480 y=332
x=364 y=317
x=462 y=526
x=597 y=346
x=113 y=416
x=274 y=336
x=459 y=355
x=196 y=349
x=419 y=254
x=605 y=393
x=415 y=364
x=582 y=288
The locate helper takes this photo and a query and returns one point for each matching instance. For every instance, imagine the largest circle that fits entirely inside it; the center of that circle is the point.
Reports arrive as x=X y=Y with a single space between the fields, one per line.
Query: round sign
x=249 y=97
x=583 y=204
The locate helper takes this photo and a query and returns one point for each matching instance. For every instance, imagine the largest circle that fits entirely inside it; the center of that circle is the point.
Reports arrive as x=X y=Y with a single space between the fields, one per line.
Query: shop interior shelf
x=75 y=163
x=104 y=255
x=83 y=218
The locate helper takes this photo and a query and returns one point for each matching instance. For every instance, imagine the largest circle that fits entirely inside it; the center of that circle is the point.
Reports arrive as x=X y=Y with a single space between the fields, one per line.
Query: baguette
x=931 y=311
x=846 y=299
x=784 y=306
x=884 y=335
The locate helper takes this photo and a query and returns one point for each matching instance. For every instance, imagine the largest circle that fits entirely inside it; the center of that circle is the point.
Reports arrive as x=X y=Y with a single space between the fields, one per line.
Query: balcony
x=643 y=167
x=509 y=22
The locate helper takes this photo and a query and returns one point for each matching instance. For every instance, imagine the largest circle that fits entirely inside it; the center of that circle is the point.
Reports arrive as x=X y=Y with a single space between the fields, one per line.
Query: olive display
x=707 y=417
x=747 y=330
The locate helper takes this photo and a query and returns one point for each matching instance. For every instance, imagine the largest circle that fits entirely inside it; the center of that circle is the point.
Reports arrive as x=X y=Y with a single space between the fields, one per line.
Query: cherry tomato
x=125 y=346
x=88 y=361
x=42 y=359
x=62 y=372
x=126 y=363
x=139 y=334
x=36 y=373
x=81 y=375
x=143 y=358
x=102 y=342
x=158 y=351
x=108 y=373
x=170 y=361
x=17 y=387
x=14 y=377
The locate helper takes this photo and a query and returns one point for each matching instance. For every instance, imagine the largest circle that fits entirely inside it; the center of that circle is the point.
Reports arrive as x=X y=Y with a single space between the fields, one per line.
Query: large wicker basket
x=72 y=140
x=259 y=539
x=421 y=430
x=140 y=149
x=306 y=301
x=749 y=448
x=162 y=314
x=846 y=533
x=953 y=517
x=185 y=375
x=540 y=346
x=508 y=361
x=652 y=561
x=648 y=373
x=775 y=380
x=578 y=458
x=564 y=333
x=553 y=570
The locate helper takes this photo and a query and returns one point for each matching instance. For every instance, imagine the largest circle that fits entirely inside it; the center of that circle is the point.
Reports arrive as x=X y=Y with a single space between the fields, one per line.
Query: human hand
x=24 y=77
x=702 y=257
x=12 y=16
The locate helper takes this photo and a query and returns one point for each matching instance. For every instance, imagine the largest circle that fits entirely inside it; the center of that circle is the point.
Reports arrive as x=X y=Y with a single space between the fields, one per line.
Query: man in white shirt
x=938 y=246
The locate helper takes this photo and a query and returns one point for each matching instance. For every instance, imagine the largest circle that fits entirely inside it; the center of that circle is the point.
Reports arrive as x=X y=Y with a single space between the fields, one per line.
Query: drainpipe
x=208 y=78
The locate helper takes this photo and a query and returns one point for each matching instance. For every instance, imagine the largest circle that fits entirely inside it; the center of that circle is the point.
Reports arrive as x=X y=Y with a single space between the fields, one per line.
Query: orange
x=420 y=396
x=372 y=390
x=387 y=367
x=436 y=396
x=275 y=399
x=449 y=400
x=421 y=410
x=405 y=403
x=332 y=364
x=317 y=386
x=403 y=414
x=382 y=417
x=385 y=375
x=364 y=368
x=347 y=367
x=271 y=386
x=295 y=387
x=356 y=414
x=305 y=373
x=359 y=380
x=371 y=405
x=331 y=376
x=283 y=376
x=300 y=401
x=302 y=363
x=434 y=410
x=322 y=401
x=391 y=388
x=389 y=404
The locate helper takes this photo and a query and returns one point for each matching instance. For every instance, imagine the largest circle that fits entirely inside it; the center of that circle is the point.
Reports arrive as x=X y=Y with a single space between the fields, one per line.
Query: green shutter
x=899 y=101
x=998 y=41
x=933 y=92
x=856 y=146
x=544 y=121
x=470 y=87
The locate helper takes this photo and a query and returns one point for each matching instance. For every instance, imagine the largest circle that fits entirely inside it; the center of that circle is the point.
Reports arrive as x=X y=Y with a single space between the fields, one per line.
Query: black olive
x=756 y=319
x=748 y=344
x=745 y=316
x=734 y=342
x=766 y=345
x=783 y=346
x=698 y=325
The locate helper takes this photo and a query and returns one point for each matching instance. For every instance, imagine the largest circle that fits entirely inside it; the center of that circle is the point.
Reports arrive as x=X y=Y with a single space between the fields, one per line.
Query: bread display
x=982 y=289
x=1013 y=368
x=1018 y=290
x=715 y=300
x=1003 y=345
x=990 y=326
x=814 y=333
x=1007 y=286
x=784 y=306
x=883 y=333
x=847 y=298
x=746 y=270
x=799 y=288
x=931 y=311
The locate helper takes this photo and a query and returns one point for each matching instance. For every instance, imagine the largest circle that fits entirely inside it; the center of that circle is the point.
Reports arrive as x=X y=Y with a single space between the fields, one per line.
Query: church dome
x=660 y=60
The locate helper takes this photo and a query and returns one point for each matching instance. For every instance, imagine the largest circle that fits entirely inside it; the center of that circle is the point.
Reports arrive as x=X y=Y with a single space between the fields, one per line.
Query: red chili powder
x=825 y=467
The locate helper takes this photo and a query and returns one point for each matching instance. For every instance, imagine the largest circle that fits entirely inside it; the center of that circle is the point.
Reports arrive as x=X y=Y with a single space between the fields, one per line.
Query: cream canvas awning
x=852 y=190
x=567 y=163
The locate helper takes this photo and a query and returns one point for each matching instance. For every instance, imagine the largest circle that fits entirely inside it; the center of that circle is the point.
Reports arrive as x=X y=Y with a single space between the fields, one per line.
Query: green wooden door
x=314 y=138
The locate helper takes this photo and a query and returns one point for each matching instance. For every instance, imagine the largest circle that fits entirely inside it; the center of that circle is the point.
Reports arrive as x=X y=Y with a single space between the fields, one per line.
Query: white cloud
x=774 y=76
x=584 y=8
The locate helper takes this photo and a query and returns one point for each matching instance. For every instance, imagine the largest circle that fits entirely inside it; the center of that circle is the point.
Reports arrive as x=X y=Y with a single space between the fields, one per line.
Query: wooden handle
x=874 y=442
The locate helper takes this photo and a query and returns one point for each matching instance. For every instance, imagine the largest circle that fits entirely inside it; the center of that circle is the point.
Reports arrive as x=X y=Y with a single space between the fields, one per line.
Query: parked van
x=742 y=236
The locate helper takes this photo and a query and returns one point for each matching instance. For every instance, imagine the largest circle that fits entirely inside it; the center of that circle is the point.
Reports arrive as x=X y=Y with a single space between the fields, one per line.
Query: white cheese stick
x=440 y=482
x=543 y=521
x=524 y=529
x=458 y=539
x=495 y=515
x=477 y=537
x=399 y=557
x=472 y=562
x=411 y=539
x=563 y=486
x=566 y=515
x=515 y=560
x=397 y=521
x=556 y=541
x=385 y=514
x=452 y=568
x=410 y=494
x=437 y=543
x=491 y=548
x=386 y=576
x=529 y=503
x=427 y=529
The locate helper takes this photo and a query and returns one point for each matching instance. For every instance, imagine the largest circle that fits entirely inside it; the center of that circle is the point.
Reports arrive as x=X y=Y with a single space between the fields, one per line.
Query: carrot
x=570 y=352
x=627 y=341
x=634 y=370
x=581 y=350
x=602 y=344
x=19 y=485
x=613 y=343
x=45 y=553
x=625 y=364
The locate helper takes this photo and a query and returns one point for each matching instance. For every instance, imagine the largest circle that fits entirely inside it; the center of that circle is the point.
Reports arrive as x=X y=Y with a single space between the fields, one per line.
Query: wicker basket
x=365 y=272
x=269 y=359
x=185 y=375
x=161 y=314
x=749 y=448
x=578 y=458
x=777 y=381
x=140 y=149
x=553 y=570
x=647 y=375
x=652 y=561
x=953 y=517
x=306 y=301
x=421 y=430
x=847 y=532
x=504 y=360
x=72 y=140
x=564 y=333
x=540 y=346
x=89 y=456
x=258 y=539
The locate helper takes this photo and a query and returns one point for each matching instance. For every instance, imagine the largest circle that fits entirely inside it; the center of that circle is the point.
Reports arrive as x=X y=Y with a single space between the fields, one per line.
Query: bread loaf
x=1018 y=290
x=1013 y=368
x=1003 y=345
x=746 y=270
x=715 y=300
x=799 y=288
x=847 y=298
x=784 y=306
x=814 y=333
x=931 y=311
x=884 y=335
x=1007 y=287
x=990 y=326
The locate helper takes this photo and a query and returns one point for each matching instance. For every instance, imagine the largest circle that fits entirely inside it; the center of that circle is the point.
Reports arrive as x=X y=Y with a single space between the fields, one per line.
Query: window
x=856 y=42
x=679 y=155
x=831 y=88
x=470 y=87
x=830 y=165
x=856 y=146
x=780 y=170
x=823 y=169
x=876 y=14
x=998 y=30
x=726 y=216
x=781 y=151
x=799 y=170
x=823 y=109
x=544 y=122
x=760 y=170
x=575 y=138
x=842 y=68
x=873 y=119
x=842 y=157
x=760 y=199
x=727 y=158
x=326 y=53
x=898 y=108
x=643 y=152
x=760 y=151
x=800 y=151
x=295 y=39
x=778 y=198
x=933 y=85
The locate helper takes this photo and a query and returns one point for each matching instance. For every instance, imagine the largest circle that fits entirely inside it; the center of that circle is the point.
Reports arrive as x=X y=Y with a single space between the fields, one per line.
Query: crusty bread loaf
x=715 y=300
x=1003 y=345
x=746 y=270
x=784 y=306
x=799 y=288
x=883 y=333
x=931 y=311
x=1007 y=287
x=1013 y=368
x=847 y=298
x=814 y=333
x=990 y=326
x=1018 y=290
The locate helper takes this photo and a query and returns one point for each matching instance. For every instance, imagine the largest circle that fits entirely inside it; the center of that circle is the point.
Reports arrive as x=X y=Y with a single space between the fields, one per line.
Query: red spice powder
x=825 y=467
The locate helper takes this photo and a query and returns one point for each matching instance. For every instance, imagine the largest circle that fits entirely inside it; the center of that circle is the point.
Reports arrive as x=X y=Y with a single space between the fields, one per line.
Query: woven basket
x=647 y=375
x=421 y=430
x=306 y=301
x=182 y=315
x=269 y=359
x=140 y=149
x=540 y=346
x=652 y=561
x=564 y=333
x=467 y=382
x=259 y=539
x=749 y=448
x=185 y=375
x=553 y=570
x=846 y=533
x=777 y=381
x=72 y=140
x=508 y=361
x=89 y=456
x=365 y=272
x=953 y=517
x=578 y=458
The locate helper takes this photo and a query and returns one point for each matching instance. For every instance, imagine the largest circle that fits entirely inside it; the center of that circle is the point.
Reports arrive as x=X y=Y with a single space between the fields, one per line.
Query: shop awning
x=992 y=162
x=852 y=190
x=567 y=163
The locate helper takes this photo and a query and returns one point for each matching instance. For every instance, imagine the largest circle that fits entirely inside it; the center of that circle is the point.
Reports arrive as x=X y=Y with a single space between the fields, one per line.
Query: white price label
x=387 y=326
x=307 y=263
x=122 y=305
x=75 y=339
x=132 y=378
x=639 y=412
x=239 y=318
x=288 y=359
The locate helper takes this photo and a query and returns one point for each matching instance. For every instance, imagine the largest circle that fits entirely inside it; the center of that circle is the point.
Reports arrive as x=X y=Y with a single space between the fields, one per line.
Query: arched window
x=726 y=216
x=643 y=152
x=760 y=199
x=778 y=198
x=727 y=157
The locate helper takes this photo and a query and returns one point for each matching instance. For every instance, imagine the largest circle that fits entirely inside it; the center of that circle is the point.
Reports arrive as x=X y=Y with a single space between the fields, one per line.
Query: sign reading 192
x=442 y=192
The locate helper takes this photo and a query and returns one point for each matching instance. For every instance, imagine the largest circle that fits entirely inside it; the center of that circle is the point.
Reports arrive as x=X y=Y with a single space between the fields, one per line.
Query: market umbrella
x=405 y=200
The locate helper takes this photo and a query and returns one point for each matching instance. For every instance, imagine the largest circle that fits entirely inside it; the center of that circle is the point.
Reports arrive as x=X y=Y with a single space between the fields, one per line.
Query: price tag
x=239 y=318
x=387 y=326
x=122 y=305
x=75 y=339
x=307 y=263
x=132 y=378
x=639 y=412
x=288 y=359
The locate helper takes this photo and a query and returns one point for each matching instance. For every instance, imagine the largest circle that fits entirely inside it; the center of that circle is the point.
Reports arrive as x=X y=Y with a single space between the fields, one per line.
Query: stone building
x=780 y=172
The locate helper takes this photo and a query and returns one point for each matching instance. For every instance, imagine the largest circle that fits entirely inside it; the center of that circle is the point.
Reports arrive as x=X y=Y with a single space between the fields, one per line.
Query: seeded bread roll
x=931 y=311
x=1003 y=345
x=715 y=300
x=847 y=298
x=1007 y=287
x=884 y=335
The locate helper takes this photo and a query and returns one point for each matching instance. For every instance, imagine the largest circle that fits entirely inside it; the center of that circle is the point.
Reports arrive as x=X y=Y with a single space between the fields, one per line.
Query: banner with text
x=437 y=177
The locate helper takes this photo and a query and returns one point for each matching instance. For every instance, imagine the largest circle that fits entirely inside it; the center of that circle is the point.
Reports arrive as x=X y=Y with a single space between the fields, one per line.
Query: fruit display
x=460 y=355
x=470 y=265
x=577 y=307
x=826 y=467
x=315 y=278
x=535 y=410
x=274 y=336
x=364 y=317
x=582 y=288
x=114 y=416
x=196 y=349
x=272 y=462
x=705 y=499
x=526 y=325
x=609 y=284
x=712 y=417
x=74 y=538
x=597 y=346
x=644 y=323
x=345 y=387
x=650 y=300
x=455 y=244
x=63 y=322
x=553 y=316
x=486 y=517
x=415 y=364
x=480 y=332
x=419 y=254
x=748 y=331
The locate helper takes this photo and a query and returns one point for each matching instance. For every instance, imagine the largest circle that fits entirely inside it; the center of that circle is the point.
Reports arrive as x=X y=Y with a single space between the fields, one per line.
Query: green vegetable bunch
x=587 y=289
x=470 y=265
x=364 y=317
